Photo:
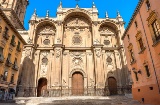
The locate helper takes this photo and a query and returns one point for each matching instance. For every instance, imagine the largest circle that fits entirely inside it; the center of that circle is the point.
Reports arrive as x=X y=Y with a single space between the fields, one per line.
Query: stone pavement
x=74 y=100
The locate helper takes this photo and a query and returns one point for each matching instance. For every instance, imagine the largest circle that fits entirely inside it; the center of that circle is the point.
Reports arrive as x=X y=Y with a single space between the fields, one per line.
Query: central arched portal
x=77 y=84
x=112 y=83
x=42 y=86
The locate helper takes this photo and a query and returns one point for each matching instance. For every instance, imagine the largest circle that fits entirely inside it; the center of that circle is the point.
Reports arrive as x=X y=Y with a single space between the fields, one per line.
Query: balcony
x=5 y=36
x=8 y=63
x=4 y=78
x=18 y=49
x=15 y=67
x=13 y=43
x=1 y=58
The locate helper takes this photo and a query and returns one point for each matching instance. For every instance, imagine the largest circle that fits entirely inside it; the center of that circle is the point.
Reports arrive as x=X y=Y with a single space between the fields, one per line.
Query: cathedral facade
x=74 y=53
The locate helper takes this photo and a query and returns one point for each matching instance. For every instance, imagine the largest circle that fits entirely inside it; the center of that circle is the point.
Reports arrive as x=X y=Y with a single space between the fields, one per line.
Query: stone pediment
x=106 y=31
x=77 y=22
x=46 y=30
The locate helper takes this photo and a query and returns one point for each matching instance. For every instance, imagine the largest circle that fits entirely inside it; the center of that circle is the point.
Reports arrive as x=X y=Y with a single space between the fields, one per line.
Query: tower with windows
x=15 y=11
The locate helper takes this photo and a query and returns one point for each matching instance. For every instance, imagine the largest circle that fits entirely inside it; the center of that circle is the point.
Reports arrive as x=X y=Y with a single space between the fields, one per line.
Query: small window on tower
x=128 y=37
x=136 y=25
x=148 y=6
x=147 y=71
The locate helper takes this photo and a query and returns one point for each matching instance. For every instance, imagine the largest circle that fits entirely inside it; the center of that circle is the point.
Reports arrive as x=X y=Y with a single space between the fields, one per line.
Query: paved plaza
x=75 y=100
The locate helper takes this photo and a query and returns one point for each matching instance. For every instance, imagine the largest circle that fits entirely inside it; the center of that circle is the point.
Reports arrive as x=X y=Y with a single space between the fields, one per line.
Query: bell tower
x=15 y=10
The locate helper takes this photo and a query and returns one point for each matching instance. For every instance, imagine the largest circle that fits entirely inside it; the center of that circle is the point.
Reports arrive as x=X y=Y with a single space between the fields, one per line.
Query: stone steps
x=75 y=100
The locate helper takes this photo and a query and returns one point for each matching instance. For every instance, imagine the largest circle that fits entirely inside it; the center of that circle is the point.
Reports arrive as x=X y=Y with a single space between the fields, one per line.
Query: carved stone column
x=99 y=72
x=57 y=66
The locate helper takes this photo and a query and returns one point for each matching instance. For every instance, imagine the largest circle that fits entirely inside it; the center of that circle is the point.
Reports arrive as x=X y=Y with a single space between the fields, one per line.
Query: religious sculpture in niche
x=109 y=60
x=44 y=63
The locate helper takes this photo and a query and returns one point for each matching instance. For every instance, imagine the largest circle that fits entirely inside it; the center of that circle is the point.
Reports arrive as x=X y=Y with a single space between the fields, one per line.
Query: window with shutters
x=156 y=29
x=13 y=43
x=8 y=61
x=140 y=42
x=147 y=70
x=154 y=26
x=12 y=78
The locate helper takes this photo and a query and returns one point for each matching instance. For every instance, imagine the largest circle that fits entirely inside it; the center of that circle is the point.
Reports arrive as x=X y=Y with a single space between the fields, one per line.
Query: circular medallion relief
x=76 y=40
x=46 y=42
x=109 y=60
x=45 y=60
x=106 y=42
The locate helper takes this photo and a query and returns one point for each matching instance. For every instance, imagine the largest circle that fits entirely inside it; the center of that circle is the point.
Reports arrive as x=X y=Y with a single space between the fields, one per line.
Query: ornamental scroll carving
x=98 y=52
x=58 y=53
x=72 y=22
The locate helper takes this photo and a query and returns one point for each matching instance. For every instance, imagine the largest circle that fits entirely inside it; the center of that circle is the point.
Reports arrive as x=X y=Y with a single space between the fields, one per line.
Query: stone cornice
x=10 y=25
x=15 y=15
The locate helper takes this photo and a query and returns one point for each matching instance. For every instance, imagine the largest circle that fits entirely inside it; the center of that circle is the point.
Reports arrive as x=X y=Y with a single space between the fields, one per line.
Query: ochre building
x=74 y=53
x=11 y=44
x=142 y=46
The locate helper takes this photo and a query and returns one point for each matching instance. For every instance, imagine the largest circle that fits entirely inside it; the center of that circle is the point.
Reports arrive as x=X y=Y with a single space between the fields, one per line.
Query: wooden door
x=112 y=83
x=42 y=87
x=77 y=84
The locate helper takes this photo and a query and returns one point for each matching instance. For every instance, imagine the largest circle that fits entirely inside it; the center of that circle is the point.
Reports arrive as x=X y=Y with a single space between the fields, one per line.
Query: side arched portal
x=112 y=84
x=77 y=84
x=42 y=86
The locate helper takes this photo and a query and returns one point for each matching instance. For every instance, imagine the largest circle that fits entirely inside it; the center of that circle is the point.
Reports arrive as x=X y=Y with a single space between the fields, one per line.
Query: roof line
x=133 y=16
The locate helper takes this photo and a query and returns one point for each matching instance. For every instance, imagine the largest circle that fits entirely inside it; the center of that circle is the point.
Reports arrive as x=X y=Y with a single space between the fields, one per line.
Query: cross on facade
x=77 y=1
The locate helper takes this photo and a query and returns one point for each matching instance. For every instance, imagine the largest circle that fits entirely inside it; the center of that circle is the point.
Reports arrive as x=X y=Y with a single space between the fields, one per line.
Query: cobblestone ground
x=111 y=100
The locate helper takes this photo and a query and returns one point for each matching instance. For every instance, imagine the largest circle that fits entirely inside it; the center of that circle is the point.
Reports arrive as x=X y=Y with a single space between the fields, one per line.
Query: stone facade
x=75 y=50
x=15 y=11
x=141 y=40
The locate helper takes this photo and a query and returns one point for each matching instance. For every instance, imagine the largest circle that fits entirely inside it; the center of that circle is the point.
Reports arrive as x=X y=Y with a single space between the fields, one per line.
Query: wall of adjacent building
x=9 y=48
x=150 y=55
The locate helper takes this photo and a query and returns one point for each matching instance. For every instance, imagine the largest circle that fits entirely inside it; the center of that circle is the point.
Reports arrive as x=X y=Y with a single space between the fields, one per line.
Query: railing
x=31 y=92
x=15 y=67
x=5 y=35
x=8 y=63
x=18 y=49
x=13 y=43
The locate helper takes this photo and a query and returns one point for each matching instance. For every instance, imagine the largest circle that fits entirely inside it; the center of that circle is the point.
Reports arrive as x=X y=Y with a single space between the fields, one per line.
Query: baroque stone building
x=75 y=53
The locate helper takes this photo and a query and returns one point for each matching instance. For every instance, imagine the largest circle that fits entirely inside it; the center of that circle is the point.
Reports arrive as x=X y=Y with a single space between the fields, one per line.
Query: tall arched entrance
x=112 y=84
x=77 y=84
x=42 y=86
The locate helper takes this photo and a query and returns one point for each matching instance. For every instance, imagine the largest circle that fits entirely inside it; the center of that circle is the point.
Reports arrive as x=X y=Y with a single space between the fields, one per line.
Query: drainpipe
x=150 y=52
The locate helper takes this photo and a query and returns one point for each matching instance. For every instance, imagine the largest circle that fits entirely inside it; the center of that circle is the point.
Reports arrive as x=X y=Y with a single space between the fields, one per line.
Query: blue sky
x=125 y=7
